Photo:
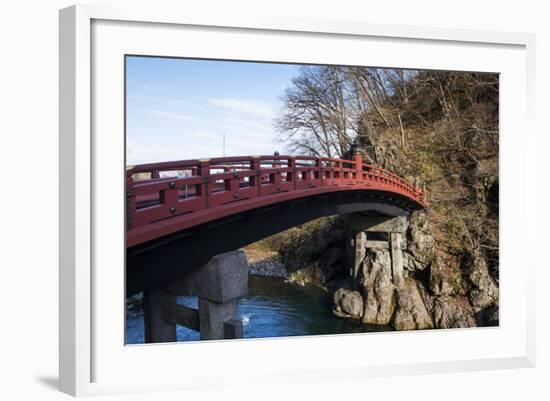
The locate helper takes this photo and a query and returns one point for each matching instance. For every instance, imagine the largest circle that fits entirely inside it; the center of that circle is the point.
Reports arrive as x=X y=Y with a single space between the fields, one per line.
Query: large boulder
x=378 y=287
x=453 y=312
x=411 y=311
x=348 y=304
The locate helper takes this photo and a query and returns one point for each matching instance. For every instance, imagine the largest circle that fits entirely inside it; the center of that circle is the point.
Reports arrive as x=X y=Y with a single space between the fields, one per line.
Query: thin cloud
x=249 y=107
x=178 y=116
x=139 y=153
x=259 y=128
x=150 y=99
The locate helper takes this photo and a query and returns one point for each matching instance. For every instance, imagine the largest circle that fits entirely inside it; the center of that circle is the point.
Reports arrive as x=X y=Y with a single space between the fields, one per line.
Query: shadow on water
x=272 y=308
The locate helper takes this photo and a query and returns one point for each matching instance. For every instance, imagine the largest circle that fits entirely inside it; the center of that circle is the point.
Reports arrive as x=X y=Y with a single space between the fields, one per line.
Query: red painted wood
x=166 y=197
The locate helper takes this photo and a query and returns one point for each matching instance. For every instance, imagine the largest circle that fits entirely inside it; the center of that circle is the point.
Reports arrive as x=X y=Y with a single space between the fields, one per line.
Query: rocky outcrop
x=348 y=304
x=305 y=246
x=326 y=273
x=445 y=278
x=378 y=287
x=485 y=292
x=453 y=312
x=438 y=291
x=411 y=311
x=420 y=243
x=330 y=264
x=314 y=253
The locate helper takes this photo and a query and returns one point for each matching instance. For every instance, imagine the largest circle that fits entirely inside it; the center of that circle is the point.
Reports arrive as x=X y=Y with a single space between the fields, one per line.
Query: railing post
x=319 y=164
x=233 y=184
x=292 y=165
x=256 y=167
x=358 y=159
x=277 y=179
x=204 y=172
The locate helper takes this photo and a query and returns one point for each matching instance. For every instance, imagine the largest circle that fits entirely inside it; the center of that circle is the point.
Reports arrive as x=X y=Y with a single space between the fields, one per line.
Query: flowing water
x=272 y=308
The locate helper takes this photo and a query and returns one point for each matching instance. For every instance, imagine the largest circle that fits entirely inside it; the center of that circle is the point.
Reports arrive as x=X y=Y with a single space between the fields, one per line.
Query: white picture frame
x=85 y=368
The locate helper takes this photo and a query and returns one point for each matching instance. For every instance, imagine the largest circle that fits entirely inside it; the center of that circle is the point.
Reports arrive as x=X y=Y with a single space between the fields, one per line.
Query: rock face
x=314 y=253
x=348 y=304
x=330 y=264
x=453 y=312
x=445 y=279
x=378 y=287
x=325 y=273
x=411 y=311
x=485 y=292
x=420 y=243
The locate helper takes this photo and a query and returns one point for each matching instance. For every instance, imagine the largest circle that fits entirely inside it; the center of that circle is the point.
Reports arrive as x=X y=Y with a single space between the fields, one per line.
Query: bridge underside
x=162 y=260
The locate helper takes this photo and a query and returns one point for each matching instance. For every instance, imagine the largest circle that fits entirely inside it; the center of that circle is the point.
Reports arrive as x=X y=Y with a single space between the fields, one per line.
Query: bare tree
x=317 y=116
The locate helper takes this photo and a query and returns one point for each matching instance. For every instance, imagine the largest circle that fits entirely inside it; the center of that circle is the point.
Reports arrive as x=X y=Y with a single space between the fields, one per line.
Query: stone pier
x=218 y=285
x=394 y=228
x=157 y=329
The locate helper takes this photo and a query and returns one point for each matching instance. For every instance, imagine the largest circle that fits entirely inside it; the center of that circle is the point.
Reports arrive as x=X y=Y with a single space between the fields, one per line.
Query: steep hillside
x=439 y=129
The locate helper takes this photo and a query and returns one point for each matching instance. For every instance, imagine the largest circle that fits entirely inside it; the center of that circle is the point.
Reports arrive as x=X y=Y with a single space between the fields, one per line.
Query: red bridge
x=181 y=213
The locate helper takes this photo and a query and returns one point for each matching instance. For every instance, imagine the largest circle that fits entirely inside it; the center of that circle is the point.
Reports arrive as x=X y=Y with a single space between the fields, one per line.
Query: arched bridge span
x=180 y=214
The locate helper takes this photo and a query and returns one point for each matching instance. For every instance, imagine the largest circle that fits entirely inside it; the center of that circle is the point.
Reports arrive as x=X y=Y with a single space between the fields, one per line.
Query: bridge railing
x=159 y=191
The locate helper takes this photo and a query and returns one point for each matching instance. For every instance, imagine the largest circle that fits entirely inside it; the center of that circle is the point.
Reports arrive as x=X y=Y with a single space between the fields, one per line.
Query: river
x=272 y=308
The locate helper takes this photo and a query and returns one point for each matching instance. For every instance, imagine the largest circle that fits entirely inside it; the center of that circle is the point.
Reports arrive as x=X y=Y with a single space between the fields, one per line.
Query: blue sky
x=179 y=109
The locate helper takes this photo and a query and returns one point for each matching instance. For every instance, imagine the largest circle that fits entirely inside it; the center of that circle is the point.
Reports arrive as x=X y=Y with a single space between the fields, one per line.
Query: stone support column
x=156 y=328
x=397 y=259
x=360 y=252
x=221 y=282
